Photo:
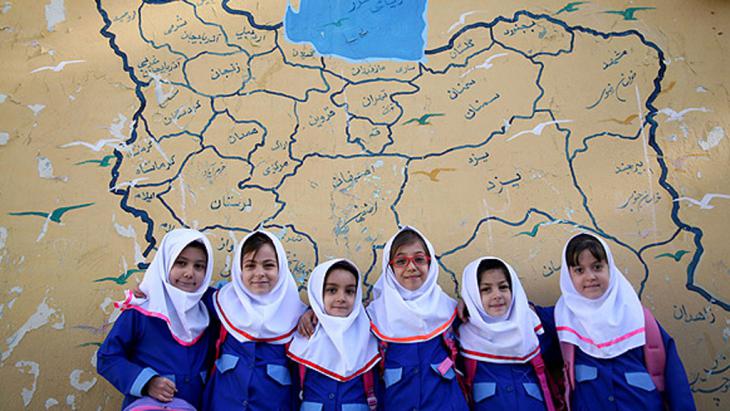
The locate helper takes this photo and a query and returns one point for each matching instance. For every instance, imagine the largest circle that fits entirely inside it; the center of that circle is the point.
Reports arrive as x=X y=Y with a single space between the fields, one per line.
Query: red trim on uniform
x=605 y=344
x=331 y=374
x=244 y=333
x=501 y=357
x=416 y=338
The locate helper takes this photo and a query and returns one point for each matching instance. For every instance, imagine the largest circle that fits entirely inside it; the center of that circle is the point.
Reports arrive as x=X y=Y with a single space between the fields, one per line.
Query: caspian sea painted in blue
x=360 y=29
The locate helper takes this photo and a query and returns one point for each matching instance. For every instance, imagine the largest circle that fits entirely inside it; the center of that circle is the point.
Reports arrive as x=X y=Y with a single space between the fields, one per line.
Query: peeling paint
x=61 y=324
x=45 y=169
x=3 y=97
x=129 y=232
x=4 y=138
x=55 y=13
x=32 y=368
x=40 y=318
x=76 y=382
x=105 y=304
x=3 y=237
x=16 y=290
x=71 y=401
x=713 y=138
x=51 y=402
x=36 y=108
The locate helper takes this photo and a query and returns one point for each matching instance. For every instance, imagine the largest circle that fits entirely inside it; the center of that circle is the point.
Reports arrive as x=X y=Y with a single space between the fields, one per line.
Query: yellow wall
x=336 y=198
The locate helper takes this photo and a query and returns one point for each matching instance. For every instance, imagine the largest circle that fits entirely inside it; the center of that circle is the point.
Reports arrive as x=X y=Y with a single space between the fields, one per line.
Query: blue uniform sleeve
x=677 y=392
x=549 y=344
x=114 y=356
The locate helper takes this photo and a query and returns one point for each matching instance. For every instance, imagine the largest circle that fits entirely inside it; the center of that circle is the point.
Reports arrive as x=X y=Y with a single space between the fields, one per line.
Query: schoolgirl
x=336 y=362
x=161 y=345
x=258 y=310
x=616 y=355
x=412 y=317
x=501 y=342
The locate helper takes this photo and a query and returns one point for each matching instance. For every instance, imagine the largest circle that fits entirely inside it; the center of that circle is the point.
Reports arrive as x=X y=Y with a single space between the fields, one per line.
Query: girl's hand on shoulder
x=161 y=389
x=137 y=292
x=307 y=323
x=461 y=311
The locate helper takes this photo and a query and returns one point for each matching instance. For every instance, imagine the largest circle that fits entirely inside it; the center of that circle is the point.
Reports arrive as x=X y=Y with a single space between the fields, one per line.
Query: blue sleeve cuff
x=142 y=379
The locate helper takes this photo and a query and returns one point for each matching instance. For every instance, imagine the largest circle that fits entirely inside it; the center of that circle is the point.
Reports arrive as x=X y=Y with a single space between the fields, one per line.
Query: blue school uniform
x=412 y=379
x=323 y=393
x=140 y=347
x=515 y=387
x=624 y=383
x=250 y=375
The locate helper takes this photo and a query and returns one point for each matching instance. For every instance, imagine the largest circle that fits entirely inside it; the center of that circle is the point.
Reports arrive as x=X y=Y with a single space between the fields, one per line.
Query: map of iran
x=503 y=125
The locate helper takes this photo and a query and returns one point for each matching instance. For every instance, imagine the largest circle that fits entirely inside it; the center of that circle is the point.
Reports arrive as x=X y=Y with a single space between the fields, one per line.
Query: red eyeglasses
x=403 y=261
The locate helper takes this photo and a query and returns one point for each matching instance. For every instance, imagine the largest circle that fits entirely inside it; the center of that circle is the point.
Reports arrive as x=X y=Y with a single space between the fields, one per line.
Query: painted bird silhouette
x=676 y=256
x=337 y=23
x=628 y=13
x=537 y=130
x=705 y=202
x=433 y=174
x=423 y=120
x=89 y=344
x=55 y=215
x=531 y=233
x=104 y=162
x=122 y=278
x=571 y=7
x=627 y=121
x=59 y=66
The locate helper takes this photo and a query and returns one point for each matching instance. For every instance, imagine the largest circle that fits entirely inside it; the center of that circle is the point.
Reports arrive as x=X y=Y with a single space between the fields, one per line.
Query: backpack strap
x=218 y=344
x=568 y=352
x=655 y=355
x=539 y=365
x=470 y=371
x=382 y=348
x=453 y=350
x=368 y=380
x=302 y=374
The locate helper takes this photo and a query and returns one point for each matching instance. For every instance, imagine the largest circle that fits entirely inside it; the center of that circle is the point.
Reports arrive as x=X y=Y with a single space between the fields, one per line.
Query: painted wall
x=520 y=124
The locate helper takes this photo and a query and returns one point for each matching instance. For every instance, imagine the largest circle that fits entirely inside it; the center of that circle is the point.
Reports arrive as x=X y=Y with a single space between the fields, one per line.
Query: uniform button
x=245 y=403
x=187 y=379
x=610 y=398
x=508 y=388
x=331 y=396
x=415 y=372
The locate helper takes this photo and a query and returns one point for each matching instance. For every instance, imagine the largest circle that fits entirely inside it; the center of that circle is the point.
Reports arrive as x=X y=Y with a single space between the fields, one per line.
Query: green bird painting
x=571 y=7
x=54 y=215
x=423 y=120
x=531 y=233
x=104 y=162
x=122 y=278
x=629 y=13
x=676 y=256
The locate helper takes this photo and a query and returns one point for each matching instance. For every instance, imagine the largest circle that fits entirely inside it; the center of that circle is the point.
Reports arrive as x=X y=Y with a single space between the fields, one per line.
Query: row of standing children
x=175 y=330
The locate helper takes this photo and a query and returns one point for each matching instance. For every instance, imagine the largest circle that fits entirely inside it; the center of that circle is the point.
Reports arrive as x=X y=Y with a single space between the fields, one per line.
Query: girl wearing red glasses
x=412 y=317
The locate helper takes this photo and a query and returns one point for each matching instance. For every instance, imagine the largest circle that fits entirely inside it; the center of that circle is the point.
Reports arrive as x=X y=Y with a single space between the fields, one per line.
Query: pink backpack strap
x=655 y=355
x=568 y=352
x=539 y=365
x=302 y=373
x=368 y=381
x=470 y=372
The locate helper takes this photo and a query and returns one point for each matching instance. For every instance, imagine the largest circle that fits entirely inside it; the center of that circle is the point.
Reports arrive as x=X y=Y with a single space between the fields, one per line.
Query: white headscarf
x=607 y=326
x=404 y=316
x=341 y=347
x=510 y=338
x=184 y=313
x=271 y=317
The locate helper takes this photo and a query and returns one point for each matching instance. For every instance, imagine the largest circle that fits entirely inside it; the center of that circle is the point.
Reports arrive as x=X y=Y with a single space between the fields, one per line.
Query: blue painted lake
x=360 y=29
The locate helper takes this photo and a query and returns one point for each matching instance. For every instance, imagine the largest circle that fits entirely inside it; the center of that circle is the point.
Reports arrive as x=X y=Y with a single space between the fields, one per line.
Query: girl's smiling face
x=410 y=265
x=340 y=289
x=495 y=292
x=260 y=269
x=591 y=276
x=188 y=270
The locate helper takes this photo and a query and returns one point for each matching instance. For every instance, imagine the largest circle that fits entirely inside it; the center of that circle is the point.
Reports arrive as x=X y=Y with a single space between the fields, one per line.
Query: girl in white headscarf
x=501 y=342
x=258 y=311
x=336 y=361
x=160 y=346
x=412 y=317
x=600 y=314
